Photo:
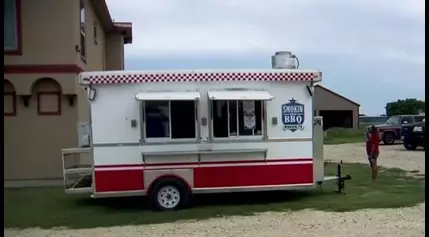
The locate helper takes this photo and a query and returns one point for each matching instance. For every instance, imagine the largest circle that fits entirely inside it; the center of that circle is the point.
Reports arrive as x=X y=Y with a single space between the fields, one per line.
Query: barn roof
x=336 y=94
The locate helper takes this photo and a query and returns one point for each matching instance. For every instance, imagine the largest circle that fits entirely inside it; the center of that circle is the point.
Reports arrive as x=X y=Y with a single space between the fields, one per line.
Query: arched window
x=48 y=94
x=9 y=99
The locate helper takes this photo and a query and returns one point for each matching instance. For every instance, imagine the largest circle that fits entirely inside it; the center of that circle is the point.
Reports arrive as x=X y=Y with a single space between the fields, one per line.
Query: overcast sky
x=371 y=51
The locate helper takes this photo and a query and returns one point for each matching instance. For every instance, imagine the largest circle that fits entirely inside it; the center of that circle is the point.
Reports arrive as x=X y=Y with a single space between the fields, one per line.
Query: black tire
x=409 y=146
x=388 y=138
x=175 y=191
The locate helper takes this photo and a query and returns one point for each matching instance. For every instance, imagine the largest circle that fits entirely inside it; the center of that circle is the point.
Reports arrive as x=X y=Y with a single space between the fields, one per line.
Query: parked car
x=414 y=135
x=391 y=130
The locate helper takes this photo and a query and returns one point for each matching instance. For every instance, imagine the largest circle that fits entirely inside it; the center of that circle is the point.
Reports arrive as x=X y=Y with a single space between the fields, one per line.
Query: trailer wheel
x=169 y=194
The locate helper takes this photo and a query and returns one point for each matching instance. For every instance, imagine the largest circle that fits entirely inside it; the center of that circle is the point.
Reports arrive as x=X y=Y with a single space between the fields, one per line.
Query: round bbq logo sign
x=293 y=116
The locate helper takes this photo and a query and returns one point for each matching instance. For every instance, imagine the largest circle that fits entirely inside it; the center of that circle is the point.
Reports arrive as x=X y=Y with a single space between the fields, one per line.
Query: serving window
x=238 y=114
x=169 y=116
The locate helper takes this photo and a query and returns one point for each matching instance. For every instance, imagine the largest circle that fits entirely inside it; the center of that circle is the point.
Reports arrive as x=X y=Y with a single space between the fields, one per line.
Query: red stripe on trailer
x=212 y=177
x=201 y=76
x=233 y=176
x=119 y=180
x=205 y=163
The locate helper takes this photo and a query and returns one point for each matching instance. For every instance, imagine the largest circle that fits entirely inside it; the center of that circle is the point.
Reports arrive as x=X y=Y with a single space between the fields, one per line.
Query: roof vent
x=284 y=60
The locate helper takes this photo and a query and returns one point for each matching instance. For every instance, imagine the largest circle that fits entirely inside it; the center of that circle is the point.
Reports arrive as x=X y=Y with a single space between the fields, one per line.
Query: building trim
x=125 y=29
x=336 y=94
x=42 y=68
x=18 y=19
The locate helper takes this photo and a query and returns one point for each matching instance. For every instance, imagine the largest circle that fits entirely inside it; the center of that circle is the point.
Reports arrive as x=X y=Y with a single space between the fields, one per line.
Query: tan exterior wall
x=95 y=45
x=114 y=52
x=46 y=34
x=50 y=33
x=95 y=54
x=107 y=52
x=325 y=100
x=32 y=141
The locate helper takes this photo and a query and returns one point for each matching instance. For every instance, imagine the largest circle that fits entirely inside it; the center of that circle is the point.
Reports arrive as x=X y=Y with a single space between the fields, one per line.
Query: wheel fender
x=390 y=131
x=169 y=176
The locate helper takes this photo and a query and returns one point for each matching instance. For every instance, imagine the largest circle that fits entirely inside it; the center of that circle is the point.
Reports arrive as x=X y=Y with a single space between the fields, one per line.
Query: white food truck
x=171 y=134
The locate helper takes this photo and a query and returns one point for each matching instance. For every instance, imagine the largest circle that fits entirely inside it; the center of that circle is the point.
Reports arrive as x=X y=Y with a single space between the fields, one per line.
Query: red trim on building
x=39 y=106
x=18 y=19
x=13 y=94
x=46 y=68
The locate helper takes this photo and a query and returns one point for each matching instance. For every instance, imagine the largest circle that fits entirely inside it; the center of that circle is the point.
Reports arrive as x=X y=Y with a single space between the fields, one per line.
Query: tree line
x=405 y=106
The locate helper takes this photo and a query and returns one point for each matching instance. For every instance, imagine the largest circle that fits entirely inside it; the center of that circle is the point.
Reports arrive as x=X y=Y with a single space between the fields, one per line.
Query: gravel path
x=408 y=222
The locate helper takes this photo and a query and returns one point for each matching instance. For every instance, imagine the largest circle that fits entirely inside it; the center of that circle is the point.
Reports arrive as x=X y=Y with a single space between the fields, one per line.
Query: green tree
x=407 y=106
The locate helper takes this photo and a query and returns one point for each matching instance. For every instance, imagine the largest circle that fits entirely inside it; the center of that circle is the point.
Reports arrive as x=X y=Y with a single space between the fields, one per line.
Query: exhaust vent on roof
x=284 y=60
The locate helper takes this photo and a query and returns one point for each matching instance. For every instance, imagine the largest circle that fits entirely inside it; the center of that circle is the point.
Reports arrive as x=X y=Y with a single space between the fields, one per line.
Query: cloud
x=370 y=51
x=375 y=29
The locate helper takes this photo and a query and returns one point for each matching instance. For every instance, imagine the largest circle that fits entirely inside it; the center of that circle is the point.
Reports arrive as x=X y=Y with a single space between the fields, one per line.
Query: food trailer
x=171 y=134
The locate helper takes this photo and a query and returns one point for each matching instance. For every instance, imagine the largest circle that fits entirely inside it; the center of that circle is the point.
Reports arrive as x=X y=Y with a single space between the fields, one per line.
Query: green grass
x=344 y=135
x=50 y=207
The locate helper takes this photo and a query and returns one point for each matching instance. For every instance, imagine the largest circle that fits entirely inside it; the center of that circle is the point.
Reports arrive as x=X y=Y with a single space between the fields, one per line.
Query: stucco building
x=47 y=43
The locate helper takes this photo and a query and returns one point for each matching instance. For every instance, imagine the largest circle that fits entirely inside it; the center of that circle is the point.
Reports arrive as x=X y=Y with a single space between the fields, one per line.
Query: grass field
x=50 y=207
x=344 y=135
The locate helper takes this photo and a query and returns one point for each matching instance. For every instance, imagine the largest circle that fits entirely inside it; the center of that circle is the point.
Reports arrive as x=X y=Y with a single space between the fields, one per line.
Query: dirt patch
x=394 y=156
x=408 y=222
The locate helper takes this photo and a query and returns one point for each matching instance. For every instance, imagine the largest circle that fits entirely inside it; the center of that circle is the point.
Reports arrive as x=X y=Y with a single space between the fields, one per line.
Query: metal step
x=78 y=190
x=78 y=170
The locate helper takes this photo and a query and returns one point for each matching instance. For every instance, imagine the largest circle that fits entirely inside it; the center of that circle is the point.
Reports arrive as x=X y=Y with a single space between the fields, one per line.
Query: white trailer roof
x=120 y=77
x=240 y=95
x=146 y=96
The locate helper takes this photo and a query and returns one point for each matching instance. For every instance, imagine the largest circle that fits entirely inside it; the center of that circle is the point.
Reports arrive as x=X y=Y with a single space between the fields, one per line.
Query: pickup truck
x=414 y=135
x=391 y=130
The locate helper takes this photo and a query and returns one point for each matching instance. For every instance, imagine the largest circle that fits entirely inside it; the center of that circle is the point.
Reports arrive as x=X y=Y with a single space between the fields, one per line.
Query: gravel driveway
x=408 y=222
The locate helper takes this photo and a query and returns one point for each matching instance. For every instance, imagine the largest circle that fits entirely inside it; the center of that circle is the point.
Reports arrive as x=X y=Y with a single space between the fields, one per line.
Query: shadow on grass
x=207 y=200
x=50 y=207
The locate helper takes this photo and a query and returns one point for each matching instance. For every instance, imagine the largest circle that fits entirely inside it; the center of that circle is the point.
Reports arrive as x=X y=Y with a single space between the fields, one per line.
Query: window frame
x=163 y=140
x=82 y=25
x=18 y=32
x=243 y=137
x=14 y=106
x=39 y=103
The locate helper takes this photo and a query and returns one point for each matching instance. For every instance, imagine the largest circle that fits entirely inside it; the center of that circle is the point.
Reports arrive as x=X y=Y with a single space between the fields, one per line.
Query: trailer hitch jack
x=341 y=184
